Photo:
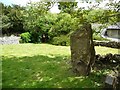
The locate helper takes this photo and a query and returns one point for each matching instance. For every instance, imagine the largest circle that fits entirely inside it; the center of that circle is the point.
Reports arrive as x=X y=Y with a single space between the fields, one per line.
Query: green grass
x=45 y=66
x=106 y=50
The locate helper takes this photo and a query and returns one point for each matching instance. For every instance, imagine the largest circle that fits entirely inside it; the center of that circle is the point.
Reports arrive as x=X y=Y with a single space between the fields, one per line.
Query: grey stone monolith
x=82 y=50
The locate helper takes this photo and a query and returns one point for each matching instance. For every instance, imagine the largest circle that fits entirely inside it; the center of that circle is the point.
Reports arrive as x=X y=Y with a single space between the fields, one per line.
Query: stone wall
x=108 y=58
x=108 y=61
x=111 y=44
x=9 y=40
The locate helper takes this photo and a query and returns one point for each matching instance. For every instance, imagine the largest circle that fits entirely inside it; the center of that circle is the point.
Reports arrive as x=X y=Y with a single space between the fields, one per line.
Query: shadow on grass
x=43 y=72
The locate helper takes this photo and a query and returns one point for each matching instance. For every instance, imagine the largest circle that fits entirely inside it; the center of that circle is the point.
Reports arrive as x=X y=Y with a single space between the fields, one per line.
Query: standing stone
x=82 y=50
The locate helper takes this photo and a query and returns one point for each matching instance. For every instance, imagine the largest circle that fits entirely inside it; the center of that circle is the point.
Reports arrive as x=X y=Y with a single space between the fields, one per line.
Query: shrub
x=25 y=37
x=98 y=37
x=61 y=40
x=35 y=37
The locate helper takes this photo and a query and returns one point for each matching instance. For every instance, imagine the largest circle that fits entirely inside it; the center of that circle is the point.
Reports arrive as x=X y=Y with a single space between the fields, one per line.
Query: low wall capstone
x=111 y=44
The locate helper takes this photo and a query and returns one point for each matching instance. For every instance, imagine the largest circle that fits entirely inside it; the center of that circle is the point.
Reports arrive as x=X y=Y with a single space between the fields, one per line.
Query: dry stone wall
x=111 y=44
x=9 y=40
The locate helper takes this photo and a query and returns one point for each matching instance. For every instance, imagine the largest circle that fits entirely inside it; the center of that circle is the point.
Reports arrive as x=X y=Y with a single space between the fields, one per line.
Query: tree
x=64 y=24
x=45 y=24
x=5 y=24
x=16 y=18
x=38 y=20
x=12 y=19
x=67 y=7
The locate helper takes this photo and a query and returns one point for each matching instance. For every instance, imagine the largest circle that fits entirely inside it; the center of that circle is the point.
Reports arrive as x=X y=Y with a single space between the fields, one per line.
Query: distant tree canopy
x=67 y=7
x=43 y=25
x=12 y=19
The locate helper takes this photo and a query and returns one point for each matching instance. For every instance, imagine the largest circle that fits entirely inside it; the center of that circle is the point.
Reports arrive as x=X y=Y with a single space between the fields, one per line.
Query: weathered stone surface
x=111 y=44
x=82 y=50
x=9 y=40
x=108 y=59
x=111 y=80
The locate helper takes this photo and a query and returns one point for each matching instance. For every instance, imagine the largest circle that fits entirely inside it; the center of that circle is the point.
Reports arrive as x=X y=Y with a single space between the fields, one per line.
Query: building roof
x=112 y=27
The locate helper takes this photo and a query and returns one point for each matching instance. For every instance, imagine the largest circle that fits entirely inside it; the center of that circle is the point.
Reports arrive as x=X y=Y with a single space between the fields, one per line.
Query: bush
x=35 y=37
x=25 y=37
x=62 y=40
x=98 y=37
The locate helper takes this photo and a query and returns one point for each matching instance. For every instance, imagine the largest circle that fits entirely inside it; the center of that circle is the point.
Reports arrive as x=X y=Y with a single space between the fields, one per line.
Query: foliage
x=5 y=24
x=64 y=24
x=32 y=13
x=12 y=19
x=61 y=40
x=38 y=21
x=67 y=7
x=99 y=38
x=96 y=32
x=43 y=25
x=25 y=37
x=101 y=16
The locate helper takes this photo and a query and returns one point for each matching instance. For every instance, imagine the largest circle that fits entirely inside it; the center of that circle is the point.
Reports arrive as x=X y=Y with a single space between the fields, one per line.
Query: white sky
x=55 y=7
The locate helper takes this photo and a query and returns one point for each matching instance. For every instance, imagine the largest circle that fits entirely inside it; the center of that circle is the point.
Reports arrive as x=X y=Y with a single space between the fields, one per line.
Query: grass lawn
x=45 y=66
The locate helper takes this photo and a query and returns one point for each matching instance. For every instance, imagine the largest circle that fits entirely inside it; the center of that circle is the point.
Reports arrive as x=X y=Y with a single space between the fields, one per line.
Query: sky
x=19 y=2
x=55 y=7
x=24 y=2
